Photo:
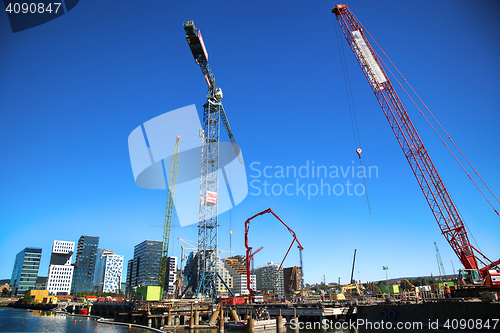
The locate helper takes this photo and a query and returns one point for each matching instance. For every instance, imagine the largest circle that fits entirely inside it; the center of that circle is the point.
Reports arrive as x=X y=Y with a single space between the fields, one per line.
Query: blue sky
x=73 y=89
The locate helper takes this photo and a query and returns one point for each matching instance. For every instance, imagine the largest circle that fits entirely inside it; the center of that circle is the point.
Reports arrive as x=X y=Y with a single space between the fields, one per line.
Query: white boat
x=257 y=324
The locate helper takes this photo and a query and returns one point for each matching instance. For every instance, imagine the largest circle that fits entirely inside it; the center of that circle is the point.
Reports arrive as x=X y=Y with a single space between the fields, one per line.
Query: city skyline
x=107 y=275
x=73 y=89
x=104 y=276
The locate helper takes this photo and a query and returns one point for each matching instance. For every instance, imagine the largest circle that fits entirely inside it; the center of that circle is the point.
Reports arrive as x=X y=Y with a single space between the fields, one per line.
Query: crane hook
x=359 y=151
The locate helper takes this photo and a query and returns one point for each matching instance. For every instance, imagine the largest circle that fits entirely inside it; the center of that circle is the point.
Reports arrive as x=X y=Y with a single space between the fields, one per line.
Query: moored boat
x=257 y=324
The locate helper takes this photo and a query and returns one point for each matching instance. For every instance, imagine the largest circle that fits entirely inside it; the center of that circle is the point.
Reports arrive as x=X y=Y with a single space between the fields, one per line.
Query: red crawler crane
x=249 y=249
x=436 y=194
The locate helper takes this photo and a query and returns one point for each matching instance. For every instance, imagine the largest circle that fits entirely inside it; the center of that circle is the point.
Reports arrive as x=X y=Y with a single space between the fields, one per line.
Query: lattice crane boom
x=200 y=54
x=172 y=181
x=436 y=194
x=439 y=262
x=213 y=112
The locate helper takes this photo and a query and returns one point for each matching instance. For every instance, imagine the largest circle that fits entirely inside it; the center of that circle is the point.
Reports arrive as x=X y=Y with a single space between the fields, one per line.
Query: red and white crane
x=436 y=194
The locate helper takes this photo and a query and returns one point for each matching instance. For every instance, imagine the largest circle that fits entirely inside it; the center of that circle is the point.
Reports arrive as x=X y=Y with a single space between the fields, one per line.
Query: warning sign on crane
x=211 y=197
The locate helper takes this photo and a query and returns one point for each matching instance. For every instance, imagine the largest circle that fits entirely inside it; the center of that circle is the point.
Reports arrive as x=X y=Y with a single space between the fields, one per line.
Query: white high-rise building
x=60 y=269
x=269 y=279
x=108 y=271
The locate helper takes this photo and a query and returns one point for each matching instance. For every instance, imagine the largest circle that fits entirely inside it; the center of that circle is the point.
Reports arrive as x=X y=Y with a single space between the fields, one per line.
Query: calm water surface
x=21 y=320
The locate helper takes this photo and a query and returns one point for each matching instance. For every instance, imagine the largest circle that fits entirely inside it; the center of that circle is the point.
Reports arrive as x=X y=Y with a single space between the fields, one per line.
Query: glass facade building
x=84 y=266
x=144 y=269
x=25 y=270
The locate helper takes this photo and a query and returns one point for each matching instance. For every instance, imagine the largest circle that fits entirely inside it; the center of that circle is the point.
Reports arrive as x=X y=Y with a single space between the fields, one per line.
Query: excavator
x=413 y=288
x=341 y=292
x=340 y=295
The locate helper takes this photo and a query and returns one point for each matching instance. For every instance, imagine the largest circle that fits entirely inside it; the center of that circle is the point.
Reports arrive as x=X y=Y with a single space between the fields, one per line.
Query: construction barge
x=178 y=314
x=368 y=312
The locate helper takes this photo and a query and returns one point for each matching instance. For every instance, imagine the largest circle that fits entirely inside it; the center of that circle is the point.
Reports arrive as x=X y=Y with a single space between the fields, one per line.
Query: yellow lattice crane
x=168 y=216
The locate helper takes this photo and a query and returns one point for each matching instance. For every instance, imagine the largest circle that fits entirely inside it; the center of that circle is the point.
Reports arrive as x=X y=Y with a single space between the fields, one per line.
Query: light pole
x=385 y=268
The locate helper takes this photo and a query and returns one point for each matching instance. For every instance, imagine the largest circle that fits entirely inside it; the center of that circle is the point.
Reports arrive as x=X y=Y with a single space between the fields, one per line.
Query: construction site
x=207 y=287
x=210 y=292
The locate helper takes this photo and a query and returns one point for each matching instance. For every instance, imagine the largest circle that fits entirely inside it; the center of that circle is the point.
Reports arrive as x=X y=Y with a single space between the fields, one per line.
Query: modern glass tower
x=25 y=270
x=144 y=269
x=86 y=256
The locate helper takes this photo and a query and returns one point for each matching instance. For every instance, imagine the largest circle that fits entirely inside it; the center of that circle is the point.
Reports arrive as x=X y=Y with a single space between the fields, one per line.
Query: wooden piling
x=279 y=323
x=215 y=314
x=250 y=325
x=296 y=320
x=196 y=317
x=221 y=318
x=234 y=314
x=169 y=318
x=191 y=318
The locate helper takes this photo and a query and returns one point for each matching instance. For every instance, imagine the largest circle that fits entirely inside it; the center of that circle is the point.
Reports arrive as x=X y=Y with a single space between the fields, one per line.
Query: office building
x=25 y=270
x=86 y=256
x=238 y=273
x=60 y=268
x=128 y=279
x=171 y=274
x=224 y=274
x=190 y=271
x=269 y=279
x=144 y=269
x=108 y=272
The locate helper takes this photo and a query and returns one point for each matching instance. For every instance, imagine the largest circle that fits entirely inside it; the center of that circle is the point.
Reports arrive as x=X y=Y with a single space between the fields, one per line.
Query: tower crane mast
x=436 y=194
x=213 y=112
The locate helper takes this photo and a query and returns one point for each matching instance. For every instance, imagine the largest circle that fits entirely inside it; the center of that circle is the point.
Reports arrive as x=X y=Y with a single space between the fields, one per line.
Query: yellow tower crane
x=168 y=216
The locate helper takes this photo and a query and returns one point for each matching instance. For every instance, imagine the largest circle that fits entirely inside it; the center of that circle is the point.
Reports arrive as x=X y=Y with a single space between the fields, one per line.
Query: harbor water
x=21 y=320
